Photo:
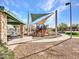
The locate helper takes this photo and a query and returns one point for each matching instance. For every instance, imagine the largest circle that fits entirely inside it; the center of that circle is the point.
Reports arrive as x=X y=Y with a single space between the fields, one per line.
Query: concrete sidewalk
x=62 y=37
x=15 y=42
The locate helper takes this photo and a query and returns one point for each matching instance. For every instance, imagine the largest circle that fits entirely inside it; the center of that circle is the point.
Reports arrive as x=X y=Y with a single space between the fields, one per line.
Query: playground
x=36 y=39
x=12 y=27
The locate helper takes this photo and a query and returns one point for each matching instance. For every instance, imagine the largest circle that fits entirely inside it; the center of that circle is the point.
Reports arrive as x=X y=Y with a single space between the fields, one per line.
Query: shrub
x=5 y=53
x=73 y=33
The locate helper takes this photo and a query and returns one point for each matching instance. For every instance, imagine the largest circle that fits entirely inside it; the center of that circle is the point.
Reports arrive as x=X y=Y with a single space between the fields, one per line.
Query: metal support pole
x=69 y=3
x=56 y=23
x=28 y=24
x=70 y=20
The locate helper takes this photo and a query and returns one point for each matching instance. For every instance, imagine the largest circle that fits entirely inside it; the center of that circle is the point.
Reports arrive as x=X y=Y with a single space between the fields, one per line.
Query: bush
x=73 y=33
x=5 y=53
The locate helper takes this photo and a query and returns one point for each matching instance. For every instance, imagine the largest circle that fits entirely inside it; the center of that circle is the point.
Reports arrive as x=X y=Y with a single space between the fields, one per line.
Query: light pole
x=56 y=31
x=28 y=24
x=69 y=3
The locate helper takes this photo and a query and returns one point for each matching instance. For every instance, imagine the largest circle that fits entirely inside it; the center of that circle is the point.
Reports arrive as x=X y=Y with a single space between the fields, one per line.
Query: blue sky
x=21 y=8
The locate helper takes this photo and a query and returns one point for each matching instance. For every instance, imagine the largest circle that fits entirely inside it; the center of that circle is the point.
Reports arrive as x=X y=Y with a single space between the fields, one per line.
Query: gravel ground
x=66 y=50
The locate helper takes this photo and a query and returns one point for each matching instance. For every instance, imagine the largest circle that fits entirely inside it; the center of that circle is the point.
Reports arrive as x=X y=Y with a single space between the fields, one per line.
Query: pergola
x=6 y=17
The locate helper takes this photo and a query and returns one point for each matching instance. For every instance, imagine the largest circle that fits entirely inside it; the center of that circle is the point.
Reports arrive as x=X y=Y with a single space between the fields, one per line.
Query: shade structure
x=12 y=19
x=36 y=16
x=44 y=20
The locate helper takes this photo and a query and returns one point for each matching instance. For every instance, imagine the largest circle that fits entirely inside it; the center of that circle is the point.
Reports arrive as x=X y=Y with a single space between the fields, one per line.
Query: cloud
x=47 y=5
x=63 y=1
x=61 y=8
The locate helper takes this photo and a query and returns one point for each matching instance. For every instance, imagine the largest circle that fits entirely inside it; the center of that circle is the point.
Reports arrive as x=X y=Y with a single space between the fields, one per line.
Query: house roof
x=12 y=19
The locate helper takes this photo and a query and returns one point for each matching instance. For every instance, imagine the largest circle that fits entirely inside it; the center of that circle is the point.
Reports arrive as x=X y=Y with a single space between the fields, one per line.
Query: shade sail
x=36 y=16
x=44 y=20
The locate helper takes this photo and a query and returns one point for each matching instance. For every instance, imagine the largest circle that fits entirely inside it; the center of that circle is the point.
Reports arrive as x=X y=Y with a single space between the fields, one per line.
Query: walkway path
x=63 y=37
x=13 y=43
x=69 y=49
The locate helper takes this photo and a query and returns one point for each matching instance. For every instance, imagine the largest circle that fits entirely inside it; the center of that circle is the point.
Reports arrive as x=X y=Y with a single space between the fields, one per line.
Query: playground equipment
x=41 y=30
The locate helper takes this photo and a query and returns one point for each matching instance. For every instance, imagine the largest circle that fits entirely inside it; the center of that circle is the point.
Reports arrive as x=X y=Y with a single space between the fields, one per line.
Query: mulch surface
x=66 y=50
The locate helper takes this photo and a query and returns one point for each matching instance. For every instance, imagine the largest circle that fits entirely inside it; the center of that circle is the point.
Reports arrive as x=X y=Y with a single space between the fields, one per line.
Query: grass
x=73 y=33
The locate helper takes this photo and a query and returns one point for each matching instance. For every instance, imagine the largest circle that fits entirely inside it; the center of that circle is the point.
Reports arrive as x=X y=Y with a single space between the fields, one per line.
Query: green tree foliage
x=75 y=27
x=62 y=27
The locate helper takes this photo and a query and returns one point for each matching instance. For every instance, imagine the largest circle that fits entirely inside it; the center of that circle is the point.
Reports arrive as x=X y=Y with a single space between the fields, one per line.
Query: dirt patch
x=66 y=50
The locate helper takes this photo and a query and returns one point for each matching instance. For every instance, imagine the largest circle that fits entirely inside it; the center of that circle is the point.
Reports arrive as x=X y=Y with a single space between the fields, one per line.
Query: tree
x=75 y=27
x=62 y=27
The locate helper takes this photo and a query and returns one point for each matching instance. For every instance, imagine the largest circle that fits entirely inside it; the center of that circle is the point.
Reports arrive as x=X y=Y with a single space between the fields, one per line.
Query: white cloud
x=63 y=1
x=61 y=8
x=46 y=6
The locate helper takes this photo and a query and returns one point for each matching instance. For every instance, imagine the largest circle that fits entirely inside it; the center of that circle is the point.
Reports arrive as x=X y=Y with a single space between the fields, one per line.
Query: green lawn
x=73 y=33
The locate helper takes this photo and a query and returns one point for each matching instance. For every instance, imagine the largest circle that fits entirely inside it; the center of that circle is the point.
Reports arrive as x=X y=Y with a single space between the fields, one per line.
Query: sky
x=21 y=8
